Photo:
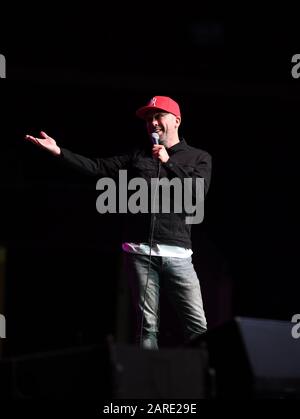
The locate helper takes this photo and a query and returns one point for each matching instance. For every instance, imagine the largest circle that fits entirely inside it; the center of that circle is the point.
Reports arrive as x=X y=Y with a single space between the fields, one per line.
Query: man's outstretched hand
x=45 y=142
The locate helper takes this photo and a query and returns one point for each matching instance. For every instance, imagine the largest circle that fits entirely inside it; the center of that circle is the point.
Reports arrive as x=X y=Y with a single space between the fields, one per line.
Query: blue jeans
x=182 y=287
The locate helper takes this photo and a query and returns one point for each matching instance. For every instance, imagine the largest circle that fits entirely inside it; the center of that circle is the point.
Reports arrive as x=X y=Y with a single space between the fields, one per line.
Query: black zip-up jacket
x=184 y=162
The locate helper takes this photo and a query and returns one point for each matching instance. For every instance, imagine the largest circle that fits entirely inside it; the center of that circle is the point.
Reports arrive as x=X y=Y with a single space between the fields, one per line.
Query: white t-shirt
x=157 y=250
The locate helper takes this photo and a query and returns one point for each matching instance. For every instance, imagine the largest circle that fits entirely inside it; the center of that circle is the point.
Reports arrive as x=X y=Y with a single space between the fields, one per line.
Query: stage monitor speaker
x=167 y=373
x=254 y=358
x=79 y=373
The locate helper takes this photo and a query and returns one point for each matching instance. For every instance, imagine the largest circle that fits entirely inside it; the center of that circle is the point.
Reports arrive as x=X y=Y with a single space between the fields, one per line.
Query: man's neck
x=171 y=141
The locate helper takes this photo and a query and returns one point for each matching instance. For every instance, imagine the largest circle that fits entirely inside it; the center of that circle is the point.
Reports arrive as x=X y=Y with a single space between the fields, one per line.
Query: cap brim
x=142 y=112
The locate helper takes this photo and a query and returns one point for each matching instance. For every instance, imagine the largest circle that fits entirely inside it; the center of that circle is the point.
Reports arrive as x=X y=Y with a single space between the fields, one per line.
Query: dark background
x=80 y=77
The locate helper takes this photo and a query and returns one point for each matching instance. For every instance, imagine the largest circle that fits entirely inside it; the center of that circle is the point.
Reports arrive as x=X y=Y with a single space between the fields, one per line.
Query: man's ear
x=178 y=121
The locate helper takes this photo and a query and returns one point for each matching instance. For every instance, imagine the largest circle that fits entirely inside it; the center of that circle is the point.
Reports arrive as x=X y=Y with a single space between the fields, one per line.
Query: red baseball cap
x=161 y=103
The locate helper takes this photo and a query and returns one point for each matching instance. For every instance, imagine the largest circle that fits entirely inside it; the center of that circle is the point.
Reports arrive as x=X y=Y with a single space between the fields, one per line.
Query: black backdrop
x=82 y=86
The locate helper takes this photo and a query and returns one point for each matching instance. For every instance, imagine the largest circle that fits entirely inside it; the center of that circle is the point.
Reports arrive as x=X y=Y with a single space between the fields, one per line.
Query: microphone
x=155 y=138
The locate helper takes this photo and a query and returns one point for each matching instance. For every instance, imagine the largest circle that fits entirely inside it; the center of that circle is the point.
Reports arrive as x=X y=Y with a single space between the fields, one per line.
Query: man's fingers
x=158 y=147
x=43 y=134
x=34 y=140
x=31 y=138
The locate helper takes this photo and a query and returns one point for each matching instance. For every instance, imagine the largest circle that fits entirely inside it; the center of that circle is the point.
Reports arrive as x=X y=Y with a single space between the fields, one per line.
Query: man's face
x=163 y=123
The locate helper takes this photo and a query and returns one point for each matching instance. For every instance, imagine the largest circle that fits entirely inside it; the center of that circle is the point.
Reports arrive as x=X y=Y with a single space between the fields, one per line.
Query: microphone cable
x=155 y=138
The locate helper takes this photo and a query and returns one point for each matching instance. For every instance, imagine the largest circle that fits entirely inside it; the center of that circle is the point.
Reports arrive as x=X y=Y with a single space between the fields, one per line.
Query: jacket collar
x=182 y=145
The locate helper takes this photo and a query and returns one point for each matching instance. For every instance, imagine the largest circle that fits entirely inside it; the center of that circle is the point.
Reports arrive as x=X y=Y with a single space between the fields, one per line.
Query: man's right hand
x=45 y=142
